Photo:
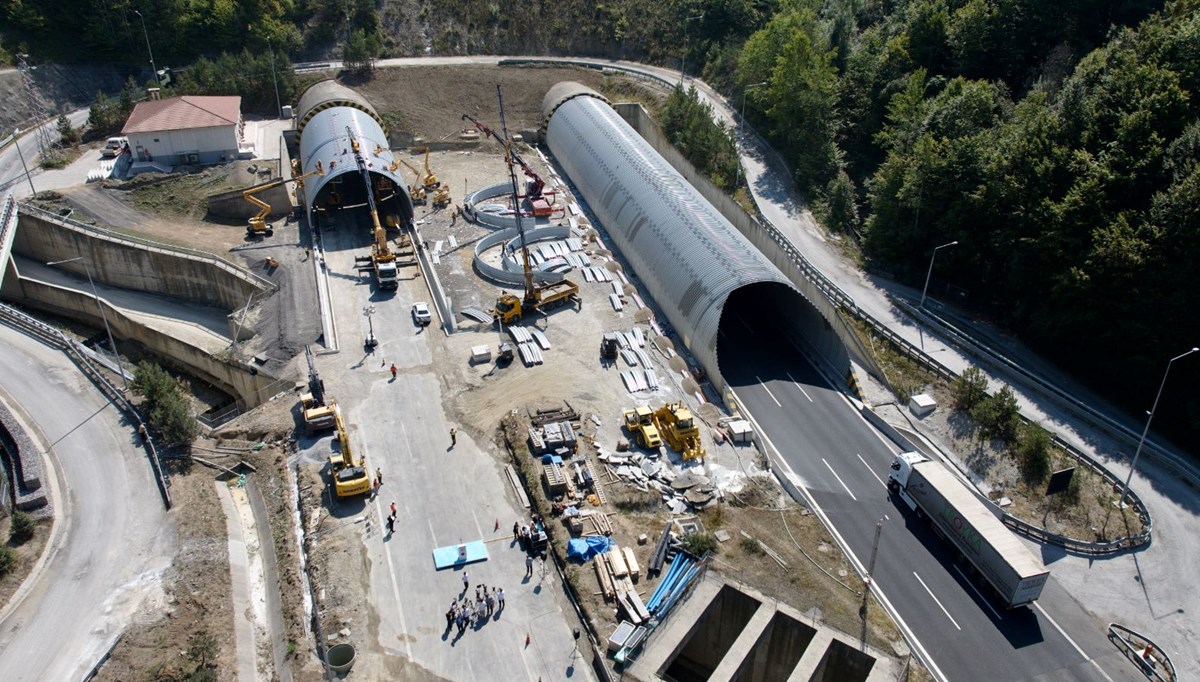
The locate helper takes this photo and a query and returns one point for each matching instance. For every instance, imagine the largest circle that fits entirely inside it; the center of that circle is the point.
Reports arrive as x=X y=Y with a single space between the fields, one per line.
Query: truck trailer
x=930 y=489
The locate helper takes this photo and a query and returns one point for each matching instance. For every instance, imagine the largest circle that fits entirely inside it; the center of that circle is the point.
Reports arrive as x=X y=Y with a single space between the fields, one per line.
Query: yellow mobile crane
x=537 y=297
x=381 y=261
x=258 y=225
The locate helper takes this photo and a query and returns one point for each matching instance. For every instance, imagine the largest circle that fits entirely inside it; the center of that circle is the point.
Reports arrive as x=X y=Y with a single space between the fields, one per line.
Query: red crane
x=534 y=188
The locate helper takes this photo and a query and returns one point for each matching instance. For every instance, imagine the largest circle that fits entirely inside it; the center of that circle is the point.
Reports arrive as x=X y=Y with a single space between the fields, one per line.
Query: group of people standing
x=465 y=612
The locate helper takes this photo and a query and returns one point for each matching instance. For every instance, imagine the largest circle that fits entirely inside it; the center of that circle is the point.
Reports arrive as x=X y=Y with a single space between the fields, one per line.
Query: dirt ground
x=166 y=640
x=422 y=106
x=27 y=555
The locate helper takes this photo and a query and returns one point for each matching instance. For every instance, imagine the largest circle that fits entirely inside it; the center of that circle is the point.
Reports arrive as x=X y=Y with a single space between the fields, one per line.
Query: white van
x=113 y=147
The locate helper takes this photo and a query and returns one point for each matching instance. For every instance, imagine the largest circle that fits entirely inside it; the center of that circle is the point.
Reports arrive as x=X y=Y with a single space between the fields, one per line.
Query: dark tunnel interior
x=762 y=329
x=344 y=198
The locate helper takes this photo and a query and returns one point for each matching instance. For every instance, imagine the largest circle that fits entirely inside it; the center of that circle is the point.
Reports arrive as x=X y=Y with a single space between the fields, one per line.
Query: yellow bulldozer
x=678 y=427
x=639 y=422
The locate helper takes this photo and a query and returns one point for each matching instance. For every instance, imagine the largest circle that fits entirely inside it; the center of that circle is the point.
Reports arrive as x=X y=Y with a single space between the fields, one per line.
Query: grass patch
x=906 y=376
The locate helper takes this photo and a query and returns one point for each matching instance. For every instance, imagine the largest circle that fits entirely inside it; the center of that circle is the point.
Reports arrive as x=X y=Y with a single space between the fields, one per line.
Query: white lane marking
x=806 y=395
x=1070 y=641
x=764 y=386
x=935 y=599
x=868 y=466
x=974 y=589
x=839 y=478
x=802 y=488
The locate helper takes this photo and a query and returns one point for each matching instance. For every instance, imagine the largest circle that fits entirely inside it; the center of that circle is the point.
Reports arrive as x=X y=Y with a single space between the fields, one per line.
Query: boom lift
x=381 y=261
x=415 y=192
x=509 y=307
x=258 y=225
x=430 y=180
x=318 y=413
x=534 y=186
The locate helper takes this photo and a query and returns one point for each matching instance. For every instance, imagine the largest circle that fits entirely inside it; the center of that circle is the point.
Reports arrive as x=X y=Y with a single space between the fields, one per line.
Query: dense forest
x=1057 y=141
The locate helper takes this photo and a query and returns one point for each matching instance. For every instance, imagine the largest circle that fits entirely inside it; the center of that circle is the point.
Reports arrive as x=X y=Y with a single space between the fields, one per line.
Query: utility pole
x=1138 y=452
x=148 y=50
x=741 y=126
x=21 y=155
x=930 y=272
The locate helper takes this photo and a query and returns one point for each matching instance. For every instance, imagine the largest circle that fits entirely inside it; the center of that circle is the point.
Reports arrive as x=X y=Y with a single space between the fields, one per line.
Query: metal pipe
x=1137 y=453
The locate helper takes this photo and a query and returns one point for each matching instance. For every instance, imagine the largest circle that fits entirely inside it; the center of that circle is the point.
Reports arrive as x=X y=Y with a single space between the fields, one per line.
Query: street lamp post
x=148 y=50
x=741 y=125
x=930 y=273
x=1137 y=453
x=683 y=59
x=275 y=81
x=20 y=155
x=103 y=316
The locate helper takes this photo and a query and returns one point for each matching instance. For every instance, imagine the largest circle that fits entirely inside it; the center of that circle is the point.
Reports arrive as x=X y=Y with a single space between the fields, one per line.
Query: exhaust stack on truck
x=930 y=489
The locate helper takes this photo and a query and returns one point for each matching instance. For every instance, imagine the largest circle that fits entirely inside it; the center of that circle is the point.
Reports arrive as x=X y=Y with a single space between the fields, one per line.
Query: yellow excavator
x=537 y=297
x=678 y=427
x=415 y=192
x=349 y=474
x=258 y=225
x=382 y=261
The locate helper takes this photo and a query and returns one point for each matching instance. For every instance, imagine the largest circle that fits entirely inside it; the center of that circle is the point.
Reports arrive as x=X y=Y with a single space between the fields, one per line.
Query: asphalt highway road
x=843 y=463
x=110 y=541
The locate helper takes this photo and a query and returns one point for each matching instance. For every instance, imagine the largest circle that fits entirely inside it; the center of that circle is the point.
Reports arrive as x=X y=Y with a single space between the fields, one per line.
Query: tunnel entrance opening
x=768 y=330
x=341 y=204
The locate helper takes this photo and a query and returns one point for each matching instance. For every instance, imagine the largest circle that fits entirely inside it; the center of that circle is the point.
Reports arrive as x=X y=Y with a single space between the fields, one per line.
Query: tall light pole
x=741 y=124
x=930 y=273
x=278 y=103
x=1137 y=453
x=148 y=50
x=103 y=316
x=683 y=59
x=20 y=155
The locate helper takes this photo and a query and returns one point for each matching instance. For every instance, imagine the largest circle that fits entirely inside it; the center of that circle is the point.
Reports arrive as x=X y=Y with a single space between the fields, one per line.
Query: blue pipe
x=660 y=590
x=678 y=567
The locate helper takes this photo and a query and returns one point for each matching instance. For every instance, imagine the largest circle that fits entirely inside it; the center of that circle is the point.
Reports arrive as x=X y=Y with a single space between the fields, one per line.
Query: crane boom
x=537 y=184
x=530 y=292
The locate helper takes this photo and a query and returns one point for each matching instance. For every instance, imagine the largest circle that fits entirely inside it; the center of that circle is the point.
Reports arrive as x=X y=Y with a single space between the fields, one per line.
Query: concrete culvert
x=340 y=657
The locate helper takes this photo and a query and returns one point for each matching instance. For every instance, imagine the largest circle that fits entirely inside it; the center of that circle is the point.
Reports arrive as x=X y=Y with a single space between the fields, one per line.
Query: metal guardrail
x=1145 y=654
x=154 y=246
x=56 y=338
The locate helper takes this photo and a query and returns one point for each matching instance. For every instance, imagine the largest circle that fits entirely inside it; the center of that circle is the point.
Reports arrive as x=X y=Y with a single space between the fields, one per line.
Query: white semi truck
x=930 y=489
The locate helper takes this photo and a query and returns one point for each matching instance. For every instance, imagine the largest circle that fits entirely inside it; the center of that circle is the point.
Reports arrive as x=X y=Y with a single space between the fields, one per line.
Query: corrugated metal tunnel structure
x=729 y=304
x=325 y=111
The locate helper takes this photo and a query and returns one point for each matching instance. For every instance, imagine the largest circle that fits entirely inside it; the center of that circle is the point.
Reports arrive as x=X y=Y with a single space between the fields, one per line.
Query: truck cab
x=902 y=468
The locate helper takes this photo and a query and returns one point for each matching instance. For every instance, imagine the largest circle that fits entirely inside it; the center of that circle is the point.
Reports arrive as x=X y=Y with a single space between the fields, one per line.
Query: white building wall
x=171 y=147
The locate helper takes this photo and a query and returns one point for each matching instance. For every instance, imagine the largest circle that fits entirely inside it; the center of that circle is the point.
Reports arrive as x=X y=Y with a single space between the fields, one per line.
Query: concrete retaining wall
x=128 y=264
x=233 y=205
x=22 y=462
x=241 y=381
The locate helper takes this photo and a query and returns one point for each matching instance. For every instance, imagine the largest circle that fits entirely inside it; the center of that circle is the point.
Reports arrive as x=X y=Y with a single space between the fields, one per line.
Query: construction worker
x=393 y=371
x=453 y=436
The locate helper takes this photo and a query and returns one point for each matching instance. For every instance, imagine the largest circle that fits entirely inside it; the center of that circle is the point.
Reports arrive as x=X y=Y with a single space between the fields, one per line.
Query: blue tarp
x=586 y=548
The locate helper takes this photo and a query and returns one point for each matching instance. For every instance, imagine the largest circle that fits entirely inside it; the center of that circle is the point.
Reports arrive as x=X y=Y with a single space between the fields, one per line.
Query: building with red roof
x=188 y=130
